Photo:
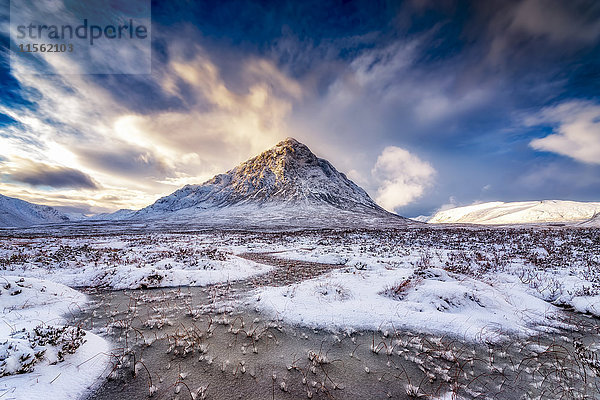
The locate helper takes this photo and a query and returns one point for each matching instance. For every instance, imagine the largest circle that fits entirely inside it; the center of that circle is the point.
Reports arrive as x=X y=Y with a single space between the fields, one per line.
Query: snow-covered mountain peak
x=285 y=161
x=288 y=177
x=279 y=166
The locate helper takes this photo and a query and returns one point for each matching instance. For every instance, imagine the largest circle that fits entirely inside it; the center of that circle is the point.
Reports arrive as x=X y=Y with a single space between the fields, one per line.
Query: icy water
x=195 y=343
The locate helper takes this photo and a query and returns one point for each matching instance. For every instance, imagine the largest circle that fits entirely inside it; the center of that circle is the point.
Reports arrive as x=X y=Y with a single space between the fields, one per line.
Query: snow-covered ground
x=484 y=284
x=430 y=300
x=35 y=275
x=455 y=277
x=39 y=354
x=126 y=262
x=478 y=284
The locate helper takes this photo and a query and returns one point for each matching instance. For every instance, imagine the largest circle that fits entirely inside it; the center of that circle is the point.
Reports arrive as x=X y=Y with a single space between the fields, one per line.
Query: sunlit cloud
x=576 y=133
x=128 y=152
x=402 y=176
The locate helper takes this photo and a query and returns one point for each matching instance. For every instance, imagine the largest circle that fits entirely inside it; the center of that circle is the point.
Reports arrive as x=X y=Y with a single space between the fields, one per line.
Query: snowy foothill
x=520 y=212
x=19 y=213
x=39 y=353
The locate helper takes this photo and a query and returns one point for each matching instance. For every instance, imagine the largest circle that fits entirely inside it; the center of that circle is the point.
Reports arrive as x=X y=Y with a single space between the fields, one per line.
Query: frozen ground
x=474 y=284
x=126 y=262
x=172 y=346
x=34 y=297
x=480 y=287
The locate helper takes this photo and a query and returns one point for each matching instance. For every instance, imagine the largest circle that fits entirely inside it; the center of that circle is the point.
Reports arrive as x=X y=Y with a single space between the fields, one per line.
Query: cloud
x=125 y=160
x=530 y=30
x=576 y=131
x=37 y=174
x=403 y=177
x=207 y=126
x=444 y=81
x=452 y=203
x=244 y=121
x=557 y=20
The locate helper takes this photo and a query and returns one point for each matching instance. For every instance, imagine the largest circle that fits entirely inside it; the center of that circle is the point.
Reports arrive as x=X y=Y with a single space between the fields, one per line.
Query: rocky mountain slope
x=19 y=213
x=524 y=212
x=286 y=184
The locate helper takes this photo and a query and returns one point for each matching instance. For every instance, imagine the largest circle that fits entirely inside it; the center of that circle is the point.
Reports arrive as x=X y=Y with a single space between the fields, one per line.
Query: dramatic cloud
x=576 y=133
x=220 y=123
x=125 y=161
x=403 y=177
x=383 y=87
x=36 y=174
x=129 y=153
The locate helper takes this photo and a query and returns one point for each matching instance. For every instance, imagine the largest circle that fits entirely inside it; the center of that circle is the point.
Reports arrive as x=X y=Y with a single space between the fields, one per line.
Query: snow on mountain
x=123 y=213
x=593 y=222
x=422 y=218
x=496 y=213
x=19 y=213
x=286 y=184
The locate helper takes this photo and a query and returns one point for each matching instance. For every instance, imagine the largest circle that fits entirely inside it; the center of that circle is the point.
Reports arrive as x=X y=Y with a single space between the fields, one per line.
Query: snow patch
x=34 y=329
x=433 y=301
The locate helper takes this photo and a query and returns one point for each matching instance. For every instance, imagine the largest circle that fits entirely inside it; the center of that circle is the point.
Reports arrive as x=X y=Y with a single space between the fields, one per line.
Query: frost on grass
x=20 y=352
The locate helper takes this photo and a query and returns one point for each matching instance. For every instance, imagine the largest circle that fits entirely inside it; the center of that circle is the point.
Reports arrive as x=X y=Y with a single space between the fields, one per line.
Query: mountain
x=422 y=218
x=593 y=222
x=524 y=212
x=285 y=185
x=16 y=213
x=123 y=213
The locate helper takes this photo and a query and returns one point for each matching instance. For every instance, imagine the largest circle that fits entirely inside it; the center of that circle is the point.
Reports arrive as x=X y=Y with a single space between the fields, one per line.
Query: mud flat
x=207 y=343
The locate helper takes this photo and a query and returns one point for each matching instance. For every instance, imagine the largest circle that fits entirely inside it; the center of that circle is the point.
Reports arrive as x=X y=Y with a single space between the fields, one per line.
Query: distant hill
x=123 y=213
x=20 y=213
x=593 y=222
x=524 y=212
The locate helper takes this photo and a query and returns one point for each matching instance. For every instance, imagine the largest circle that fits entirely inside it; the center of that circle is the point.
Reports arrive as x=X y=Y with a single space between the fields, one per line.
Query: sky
x=427 y=105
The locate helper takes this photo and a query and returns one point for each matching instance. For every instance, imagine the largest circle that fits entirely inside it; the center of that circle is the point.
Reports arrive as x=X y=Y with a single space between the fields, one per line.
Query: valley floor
x=447 y=313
